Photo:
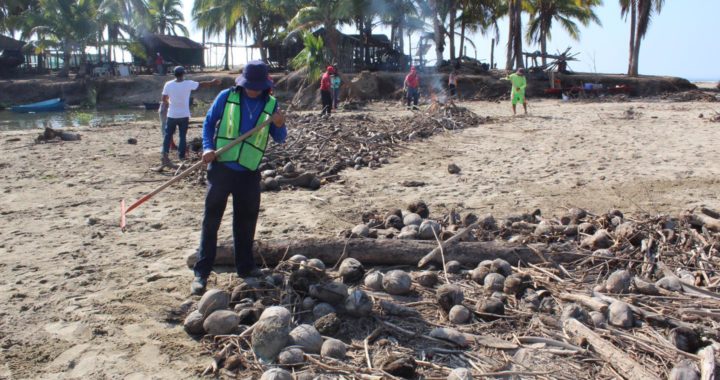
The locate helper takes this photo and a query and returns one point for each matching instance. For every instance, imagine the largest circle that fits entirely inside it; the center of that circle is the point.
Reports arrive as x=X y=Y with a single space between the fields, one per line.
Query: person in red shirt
x=325 y=88
x=159 y=64
x=412 y=87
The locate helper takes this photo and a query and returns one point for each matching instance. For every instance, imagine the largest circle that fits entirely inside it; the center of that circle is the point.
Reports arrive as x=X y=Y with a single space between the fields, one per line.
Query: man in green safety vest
x=517 y=94
x=234 y=112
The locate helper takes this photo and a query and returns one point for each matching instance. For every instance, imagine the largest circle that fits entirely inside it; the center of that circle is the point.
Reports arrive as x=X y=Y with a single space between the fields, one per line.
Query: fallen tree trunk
x=394 y=252
x=612 y=355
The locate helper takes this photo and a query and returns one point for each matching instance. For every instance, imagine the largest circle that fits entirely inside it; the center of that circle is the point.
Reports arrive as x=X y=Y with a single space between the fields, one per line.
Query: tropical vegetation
x=73 y=25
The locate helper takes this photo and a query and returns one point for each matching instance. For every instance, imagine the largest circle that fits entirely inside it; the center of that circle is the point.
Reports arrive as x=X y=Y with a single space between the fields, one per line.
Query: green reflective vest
x=250 y=152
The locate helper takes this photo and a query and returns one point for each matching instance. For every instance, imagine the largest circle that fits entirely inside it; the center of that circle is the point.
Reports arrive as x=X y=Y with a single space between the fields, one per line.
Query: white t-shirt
x=179 y=94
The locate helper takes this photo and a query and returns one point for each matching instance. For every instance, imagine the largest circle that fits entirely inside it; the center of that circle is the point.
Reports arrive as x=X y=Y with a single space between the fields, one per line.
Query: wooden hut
x=175 y=50
x=11 y=55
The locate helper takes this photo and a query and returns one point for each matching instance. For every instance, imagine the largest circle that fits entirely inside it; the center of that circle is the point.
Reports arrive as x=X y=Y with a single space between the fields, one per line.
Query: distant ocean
x=696 y=80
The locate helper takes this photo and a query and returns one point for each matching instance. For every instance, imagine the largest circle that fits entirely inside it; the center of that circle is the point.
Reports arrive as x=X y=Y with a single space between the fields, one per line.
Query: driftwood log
x=394 y=252
x=612 y=355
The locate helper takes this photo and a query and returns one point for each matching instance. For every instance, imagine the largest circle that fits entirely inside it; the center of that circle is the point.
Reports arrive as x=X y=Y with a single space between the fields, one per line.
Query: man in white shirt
x=176 y=95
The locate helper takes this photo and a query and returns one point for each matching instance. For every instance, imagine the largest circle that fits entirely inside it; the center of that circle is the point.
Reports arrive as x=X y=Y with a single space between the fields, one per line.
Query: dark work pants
x=413 y=95
x=245 y=189
x=327 y=102
x=172 y=123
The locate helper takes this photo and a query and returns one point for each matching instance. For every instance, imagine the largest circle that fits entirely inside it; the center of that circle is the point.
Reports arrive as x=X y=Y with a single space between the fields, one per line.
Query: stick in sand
x=187 y=172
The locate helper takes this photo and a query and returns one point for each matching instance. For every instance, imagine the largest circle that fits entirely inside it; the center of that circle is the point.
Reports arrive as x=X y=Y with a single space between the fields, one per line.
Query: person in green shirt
x=517 y=95
x=335 y=86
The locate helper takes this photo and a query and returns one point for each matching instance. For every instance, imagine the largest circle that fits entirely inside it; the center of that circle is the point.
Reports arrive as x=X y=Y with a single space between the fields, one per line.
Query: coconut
x=247 y=288
x=453 y=267
x=494 y=282
x=601 y=256
x=322 y=309
x=450 y=335
x=428 y=229
x=194 y=323
x=453 y=169
x=460 y=374
x=419 y=207
x=620 y=315
x=397 y=282
x=276 y=374
x=351 y=270
x=669 y=283
x=515 y=284
x=332 y=292
x=598 y=319
x=684 y=370
x=361 y=230
x=600 y=239
x=427 y=278
x=485 y=264
x=573 y=310
x=408 y=233
x=500 y=296
x=618 y=282
x=586 y=228
x=308 y=303
x=291 y=356
x=297 y=259
x=373 y=281
x=400 y=365
x=333 y=348
x=490 y=306
x=306 y=337
x=501 y=266
x=221 y=322
x=412 y=219
x=449 y=295
x=316 y=264
x=685 y=339
x=530 y=300
x=358 y=304
x=271 y=333
x=478 y=274
x=459 y=315
x=328 y=324
x=393 y=221
x=213 y=299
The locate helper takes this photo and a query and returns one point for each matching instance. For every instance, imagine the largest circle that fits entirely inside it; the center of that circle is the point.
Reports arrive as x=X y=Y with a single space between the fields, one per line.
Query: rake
x=185 y=173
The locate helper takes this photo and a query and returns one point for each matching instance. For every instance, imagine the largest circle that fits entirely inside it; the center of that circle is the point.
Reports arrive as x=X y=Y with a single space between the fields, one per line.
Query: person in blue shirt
x=247 y=104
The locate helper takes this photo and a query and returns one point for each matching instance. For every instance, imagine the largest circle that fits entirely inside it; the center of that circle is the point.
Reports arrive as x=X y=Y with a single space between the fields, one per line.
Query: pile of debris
x=622 y=298
x=692 y=96
x=319 y=148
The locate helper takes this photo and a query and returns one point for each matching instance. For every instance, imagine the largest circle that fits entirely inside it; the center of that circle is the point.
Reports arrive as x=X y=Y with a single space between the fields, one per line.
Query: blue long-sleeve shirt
x=249 y=105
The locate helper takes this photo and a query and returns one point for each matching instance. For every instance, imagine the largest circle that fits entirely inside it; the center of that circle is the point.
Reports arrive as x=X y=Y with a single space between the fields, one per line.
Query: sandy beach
x=84 y=300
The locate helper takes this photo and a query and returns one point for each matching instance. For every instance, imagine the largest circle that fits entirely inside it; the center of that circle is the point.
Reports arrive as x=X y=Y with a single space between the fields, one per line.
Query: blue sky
x=679 y=41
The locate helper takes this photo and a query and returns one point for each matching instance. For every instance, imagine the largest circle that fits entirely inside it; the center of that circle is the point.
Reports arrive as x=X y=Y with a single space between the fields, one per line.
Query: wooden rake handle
x=191 y=169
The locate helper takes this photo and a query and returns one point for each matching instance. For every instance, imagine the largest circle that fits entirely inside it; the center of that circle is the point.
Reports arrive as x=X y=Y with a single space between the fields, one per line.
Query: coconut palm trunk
x=226 y=67
x=518 y=34
x=511 y=36
x=633 y=23
x=451 y=26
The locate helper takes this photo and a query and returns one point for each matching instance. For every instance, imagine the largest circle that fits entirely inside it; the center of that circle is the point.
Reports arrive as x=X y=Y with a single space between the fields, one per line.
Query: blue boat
x=50 y=105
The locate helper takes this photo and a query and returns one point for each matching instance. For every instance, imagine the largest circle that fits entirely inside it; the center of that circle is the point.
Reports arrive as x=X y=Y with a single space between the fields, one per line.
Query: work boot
x=165 y=161
x=255 y=272
x=197 y=288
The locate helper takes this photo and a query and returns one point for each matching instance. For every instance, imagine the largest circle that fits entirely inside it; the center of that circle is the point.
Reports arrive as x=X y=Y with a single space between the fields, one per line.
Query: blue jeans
x=412 y=95
x=245 y=189
x=336 y=97
x=182 y=125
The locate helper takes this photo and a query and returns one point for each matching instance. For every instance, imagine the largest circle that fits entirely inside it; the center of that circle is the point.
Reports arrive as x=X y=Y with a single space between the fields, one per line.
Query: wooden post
x=492 y=53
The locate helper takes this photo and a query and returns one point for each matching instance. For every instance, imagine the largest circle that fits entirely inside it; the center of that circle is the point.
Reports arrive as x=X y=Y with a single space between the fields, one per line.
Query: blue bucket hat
x=255 y=76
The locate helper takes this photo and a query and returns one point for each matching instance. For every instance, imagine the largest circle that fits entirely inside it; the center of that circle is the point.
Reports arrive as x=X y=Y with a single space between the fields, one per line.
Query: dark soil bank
x=136 y=90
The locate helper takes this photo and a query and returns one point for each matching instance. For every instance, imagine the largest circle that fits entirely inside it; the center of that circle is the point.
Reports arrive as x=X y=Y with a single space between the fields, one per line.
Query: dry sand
x=83 y=300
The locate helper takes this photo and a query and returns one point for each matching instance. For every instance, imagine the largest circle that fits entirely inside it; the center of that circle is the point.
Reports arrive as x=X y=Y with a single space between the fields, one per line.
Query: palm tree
x=641 y=13
x=312 y=57
x=166 y=16
x=66 y=24
x=128 y=17
x=220 y=17
x=514 y=45
x=480 y=16
x=544 y=12
x=326 y=13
